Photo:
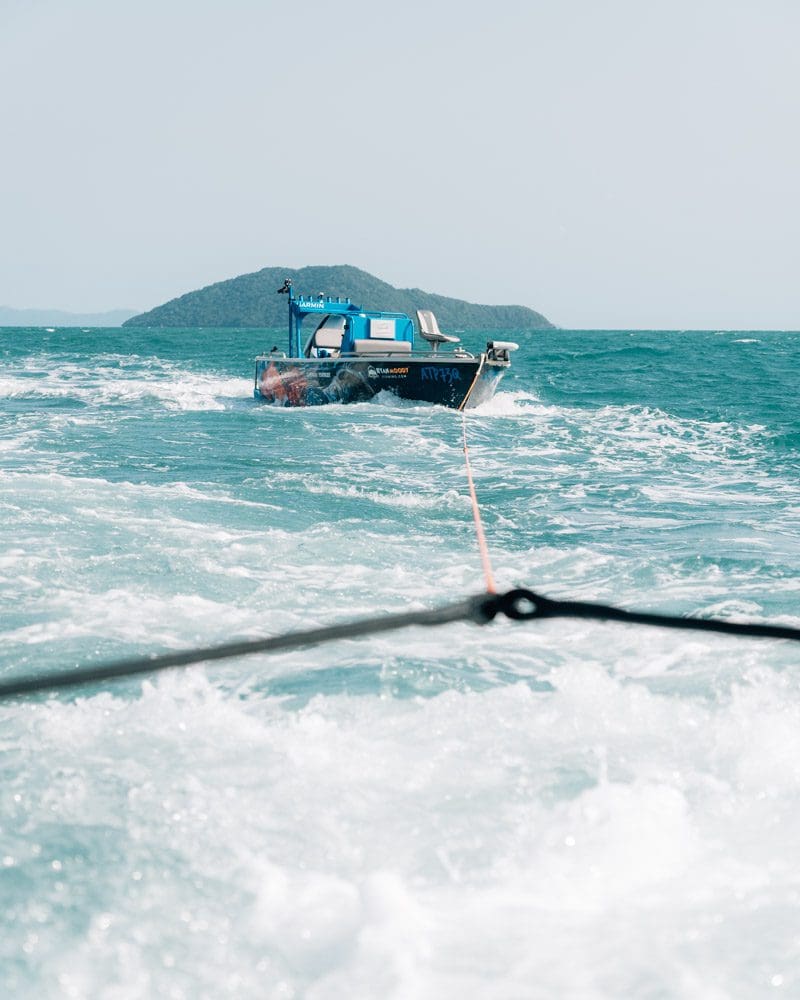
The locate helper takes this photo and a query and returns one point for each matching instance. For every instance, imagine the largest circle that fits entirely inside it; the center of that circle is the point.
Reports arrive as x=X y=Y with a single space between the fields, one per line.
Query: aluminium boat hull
x=457 y=382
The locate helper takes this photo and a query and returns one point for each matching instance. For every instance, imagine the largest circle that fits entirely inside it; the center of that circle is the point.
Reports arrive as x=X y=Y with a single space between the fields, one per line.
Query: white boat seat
x=429 y=329
x=381 y=347
x=330 y=332
x=326 y=340
x=327 y=337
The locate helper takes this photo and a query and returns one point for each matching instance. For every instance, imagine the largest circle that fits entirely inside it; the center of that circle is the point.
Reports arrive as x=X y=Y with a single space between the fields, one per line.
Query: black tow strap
x=518 y=604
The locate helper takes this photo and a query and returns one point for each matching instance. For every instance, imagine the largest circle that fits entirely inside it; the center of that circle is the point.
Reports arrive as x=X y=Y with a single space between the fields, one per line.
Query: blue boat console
x=344 y=328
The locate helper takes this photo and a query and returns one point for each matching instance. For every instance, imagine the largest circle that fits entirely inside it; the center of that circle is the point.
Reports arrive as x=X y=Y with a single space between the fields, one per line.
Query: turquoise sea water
x=555 y=809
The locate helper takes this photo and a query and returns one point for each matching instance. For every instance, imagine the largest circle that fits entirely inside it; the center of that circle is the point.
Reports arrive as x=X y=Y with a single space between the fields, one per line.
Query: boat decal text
x=434 y=373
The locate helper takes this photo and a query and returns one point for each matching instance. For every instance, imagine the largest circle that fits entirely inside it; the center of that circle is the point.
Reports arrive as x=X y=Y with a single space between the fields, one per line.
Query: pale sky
x=620 y=164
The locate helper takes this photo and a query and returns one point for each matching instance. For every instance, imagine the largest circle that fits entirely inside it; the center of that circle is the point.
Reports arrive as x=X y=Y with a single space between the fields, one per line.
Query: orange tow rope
x=476 y=513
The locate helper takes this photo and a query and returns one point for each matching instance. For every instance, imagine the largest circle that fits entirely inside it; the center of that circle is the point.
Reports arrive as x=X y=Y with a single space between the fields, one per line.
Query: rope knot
x=518 y=604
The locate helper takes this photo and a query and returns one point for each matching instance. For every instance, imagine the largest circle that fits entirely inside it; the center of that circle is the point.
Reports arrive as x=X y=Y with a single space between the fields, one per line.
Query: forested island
x=251 y=301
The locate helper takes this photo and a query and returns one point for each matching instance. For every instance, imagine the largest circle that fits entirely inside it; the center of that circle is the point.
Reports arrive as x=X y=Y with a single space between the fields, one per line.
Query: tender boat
x=351 y=354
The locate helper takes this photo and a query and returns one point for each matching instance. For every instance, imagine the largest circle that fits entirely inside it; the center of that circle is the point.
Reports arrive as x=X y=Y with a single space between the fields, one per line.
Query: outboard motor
x=499 y=350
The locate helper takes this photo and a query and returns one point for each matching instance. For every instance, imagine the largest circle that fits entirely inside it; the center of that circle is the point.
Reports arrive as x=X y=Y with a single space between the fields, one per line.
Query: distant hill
x=251 y=301
x=57 y=317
